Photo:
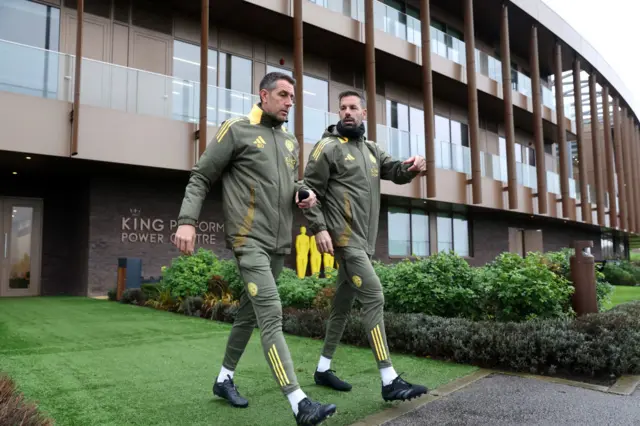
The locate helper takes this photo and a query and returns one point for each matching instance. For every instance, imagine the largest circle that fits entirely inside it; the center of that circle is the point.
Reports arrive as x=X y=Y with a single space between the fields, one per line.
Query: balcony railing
x=48 y=74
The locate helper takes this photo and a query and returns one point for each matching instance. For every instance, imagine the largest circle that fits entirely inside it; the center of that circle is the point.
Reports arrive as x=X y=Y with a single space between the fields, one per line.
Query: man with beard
x=257 y=160
x=344 y=170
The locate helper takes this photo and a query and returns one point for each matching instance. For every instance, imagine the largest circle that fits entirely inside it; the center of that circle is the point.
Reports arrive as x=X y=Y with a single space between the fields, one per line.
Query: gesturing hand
x=419 y=164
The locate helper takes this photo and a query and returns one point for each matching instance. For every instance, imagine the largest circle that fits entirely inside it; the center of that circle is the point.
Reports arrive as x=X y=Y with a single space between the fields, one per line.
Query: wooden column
x=507 y=93
x=595 y=143
x=626 y=155
x=636 y=173
x=75 y=123
x=474 y=117
x=370 y=69
x=298 y=74
x=204 y=73
x=427 y=94
x=619 y=163
x=585 y=204
x=562 y=133
x=541 y=169
x=608 y=151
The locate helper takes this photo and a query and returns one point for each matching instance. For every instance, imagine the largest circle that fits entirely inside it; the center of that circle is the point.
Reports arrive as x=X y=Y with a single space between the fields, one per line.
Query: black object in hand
x=303 y=194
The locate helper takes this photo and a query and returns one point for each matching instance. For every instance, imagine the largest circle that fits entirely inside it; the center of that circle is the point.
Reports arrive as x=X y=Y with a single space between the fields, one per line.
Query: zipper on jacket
x=275 y=146
x=360 y=146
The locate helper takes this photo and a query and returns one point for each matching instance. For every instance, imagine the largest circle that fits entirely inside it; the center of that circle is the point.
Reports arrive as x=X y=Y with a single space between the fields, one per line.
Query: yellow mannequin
x=302 y=252
x=328 y=260
x=316 y=258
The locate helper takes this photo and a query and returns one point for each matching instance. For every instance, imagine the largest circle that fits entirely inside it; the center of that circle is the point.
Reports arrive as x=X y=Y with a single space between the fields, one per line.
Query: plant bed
x=14 y=410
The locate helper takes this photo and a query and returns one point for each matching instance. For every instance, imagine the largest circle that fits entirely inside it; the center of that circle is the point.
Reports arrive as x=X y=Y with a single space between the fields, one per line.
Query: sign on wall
x=137 y=228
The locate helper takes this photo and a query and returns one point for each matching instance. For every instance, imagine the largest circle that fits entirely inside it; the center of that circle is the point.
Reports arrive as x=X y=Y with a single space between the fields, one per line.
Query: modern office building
x=530 y=137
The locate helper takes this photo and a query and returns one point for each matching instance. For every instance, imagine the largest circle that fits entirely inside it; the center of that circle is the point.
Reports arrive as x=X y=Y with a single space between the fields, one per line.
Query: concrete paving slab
x=505 y=400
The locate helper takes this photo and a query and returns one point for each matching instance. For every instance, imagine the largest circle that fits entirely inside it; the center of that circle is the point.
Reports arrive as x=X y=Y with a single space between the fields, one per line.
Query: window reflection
x=34 y=25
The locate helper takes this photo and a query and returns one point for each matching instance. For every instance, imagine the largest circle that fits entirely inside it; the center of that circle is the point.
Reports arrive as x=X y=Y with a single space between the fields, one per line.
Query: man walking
x=257 y=160
x=344 y=170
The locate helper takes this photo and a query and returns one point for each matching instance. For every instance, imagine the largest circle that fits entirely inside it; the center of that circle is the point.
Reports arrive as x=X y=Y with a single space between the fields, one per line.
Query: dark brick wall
x=118 y=206
x=490 y=232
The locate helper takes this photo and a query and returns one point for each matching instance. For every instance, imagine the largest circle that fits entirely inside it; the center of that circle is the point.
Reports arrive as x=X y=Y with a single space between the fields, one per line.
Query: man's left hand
x=419 y=164
x=308 y=202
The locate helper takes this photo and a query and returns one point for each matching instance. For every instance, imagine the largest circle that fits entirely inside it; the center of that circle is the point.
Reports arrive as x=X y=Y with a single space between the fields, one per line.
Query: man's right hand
x=185 y=238
x=324 y=243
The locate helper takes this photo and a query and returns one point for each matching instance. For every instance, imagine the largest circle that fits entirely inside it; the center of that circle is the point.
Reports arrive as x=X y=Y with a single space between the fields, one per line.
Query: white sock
x=388 y=375
x=294 y=398
x=324 y=364
x=223 y=375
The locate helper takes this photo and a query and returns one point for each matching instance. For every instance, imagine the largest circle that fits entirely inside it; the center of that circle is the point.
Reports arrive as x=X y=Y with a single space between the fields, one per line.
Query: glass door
x=21 y=237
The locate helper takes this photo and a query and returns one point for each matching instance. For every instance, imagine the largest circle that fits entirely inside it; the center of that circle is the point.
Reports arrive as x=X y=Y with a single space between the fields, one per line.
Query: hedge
x=601 y=346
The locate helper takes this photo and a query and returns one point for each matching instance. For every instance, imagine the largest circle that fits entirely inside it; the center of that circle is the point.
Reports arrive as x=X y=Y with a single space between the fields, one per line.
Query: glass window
x=445 y=233
x=461 y=235
x=453 y=234
x=34 y=71
x=443 y=134
x=186 y=70
x=416 y=125
x=30 y=23
x=399 y=231
x=420 y=233
x=459 y=133
x=237 y=77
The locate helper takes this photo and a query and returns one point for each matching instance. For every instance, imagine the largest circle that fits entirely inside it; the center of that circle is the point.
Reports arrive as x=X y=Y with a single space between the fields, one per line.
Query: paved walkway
x=501 y=400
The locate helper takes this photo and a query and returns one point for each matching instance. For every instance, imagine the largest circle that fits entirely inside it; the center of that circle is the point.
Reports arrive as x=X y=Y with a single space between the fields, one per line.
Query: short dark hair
x=351 y=93
x=268 y=82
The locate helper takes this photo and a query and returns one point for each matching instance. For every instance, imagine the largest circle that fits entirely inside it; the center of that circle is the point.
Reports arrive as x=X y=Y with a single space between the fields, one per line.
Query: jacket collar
x=259 y=116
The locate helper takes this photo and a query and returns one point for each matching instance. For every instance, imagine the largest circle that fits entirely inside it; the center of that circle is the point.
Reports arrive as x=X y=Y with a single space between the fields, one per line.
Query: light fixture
x=28 y=158
x=15 y=173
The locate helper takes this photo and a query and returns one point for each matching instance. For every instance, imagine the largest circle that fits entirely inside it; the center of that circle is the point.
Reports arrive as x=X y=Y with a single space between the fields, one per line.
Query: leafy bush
x=14 y=410
x=517 y=288
x=442 y=284
x=190 y=275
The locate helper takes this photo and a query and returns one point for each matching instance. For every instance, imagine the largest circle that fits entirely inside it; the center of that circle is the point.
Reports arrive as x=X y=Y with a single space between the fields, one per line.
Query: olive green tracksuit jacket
x=345 y=174
x=257 y=160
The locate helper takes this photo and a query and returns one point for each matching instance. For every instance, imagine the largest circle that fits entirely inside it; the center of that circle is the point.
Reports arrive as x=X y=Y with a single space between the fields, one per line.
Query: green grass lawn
x=93 y=362
x=623 y=294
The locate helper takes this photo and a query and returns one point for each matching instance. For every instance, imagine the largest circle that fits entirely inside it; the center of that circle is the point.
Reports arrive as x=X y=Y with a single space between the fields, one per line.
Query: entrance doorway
x=21 y=250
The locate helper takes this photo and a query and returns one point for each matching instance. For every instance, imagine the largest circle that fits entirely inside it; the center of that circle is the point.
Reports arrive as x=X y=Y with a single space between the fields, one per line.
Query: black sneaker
x=329 y=379
x=313 y=413
x=400 y=390
x=229 y=391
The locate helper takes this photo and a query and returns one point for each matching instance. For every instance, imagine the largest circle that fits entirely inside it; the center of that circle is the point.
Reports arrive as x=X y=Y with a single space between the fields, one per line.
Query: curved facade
x=512 y=125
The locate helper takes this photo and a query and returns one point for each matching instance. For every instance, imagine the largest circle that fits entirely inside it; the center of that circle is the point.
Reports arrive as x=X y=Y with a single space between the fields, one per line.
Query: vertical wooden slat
x=608 y=151
x=474 y=118
x=427 y=93
x=204 y=82
x=562 y=133
x=298 y=71
x=541 y=169
x=507 y=93
x=585 y=203
x=619 y=164
x=595 y=143
x=370 y=70
x=78 y=77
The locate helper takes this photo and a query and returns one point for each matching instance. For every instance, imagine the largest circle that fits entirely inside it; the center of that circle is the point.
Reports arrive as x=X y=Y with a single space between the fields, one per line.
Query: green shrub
x=517 y=288
x=228 y=270
x=442 y=284
x=622 y=273
x=112 y=294
x=190 y=275
x=133 y=296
